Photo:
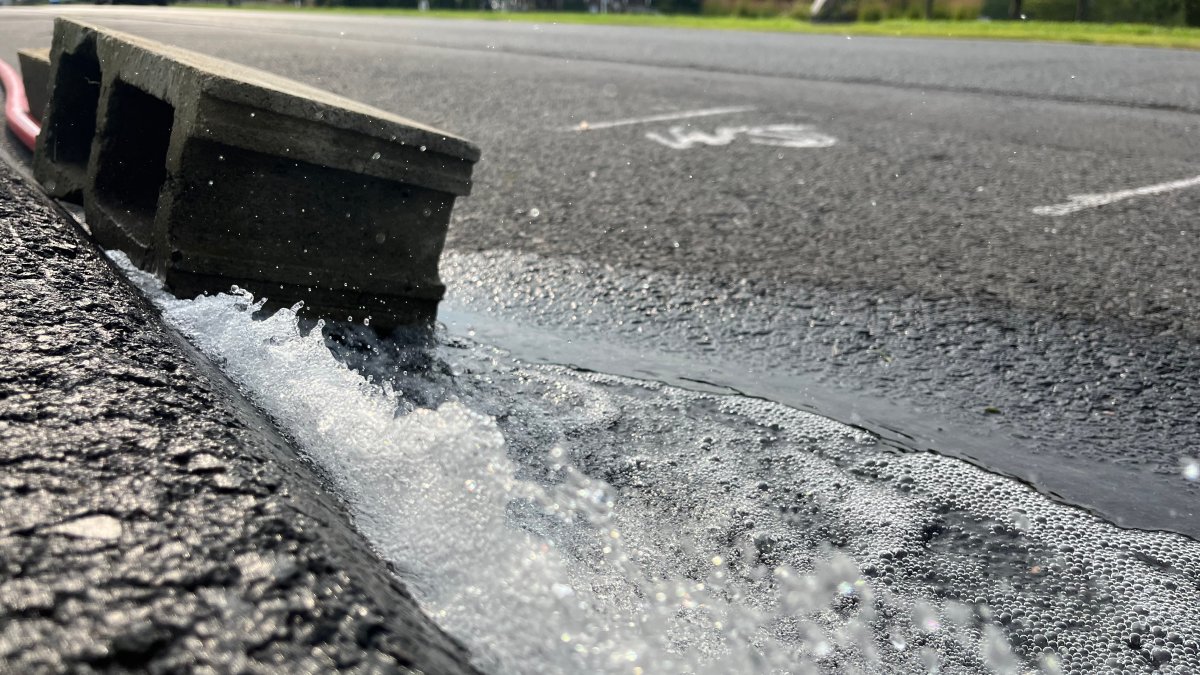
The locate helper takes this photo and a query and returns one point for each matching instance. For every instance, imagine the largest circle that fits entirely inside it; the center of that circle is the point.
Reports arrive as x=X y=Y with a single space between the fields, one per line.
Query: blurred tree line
x=1161 y=12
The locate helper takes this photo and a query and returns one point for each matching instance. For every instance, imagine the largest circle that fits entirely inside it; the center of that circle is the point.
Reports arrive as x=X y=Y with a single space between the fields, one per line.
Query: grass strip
x=1139 y=35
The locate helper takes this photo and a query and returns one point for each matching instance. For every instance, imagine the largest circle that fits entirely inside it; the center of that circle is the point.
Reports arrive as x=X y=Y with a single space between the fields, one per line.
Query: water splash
x=557 y=521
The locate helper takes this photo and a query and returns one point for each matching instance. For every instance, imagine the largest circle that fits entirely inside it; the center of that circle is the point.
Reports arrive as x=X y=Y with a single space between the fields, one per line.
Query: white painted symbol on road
x=682 y=138
x=789 y=136
x=1091 y=201
x=664 y=117
x=775 y=135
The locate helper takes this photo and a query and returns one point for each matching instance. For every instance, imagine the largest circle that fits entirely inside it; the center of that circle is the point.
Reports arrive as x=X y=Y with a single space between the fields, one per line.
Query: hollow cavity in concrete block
x=131 y=169
x=35 y=74
x=212 y=174
x=70 y=124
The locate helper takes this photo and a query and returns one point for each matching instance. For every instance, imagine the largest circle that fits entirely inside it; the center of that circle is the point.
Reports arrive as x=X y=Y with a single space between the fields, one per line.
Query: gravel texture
x=150 y=518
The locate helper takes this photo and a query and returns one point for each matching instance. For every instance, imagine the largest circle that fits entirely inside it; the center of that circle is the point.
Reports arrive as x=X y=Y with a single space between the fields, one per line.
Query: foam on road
x=902 y=261
x=1077 y=411
x=559 y=521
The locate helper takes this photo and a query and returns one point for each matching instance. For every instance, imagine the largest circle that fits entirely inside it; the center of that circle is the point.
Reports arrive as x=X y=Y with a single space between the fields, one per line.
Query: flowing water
x=563 y=521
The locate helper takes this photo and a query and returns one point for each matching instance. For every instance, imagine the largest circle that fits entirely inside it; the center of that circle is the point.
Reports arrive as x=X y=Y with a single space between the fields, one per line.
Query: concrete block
x=35 y=73
x=212 y=174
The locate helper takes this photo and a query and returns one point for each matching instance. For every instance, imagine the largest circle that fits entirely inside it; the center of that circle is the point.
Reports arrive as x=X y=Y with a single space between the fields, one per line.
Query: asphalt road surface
x=883 y=230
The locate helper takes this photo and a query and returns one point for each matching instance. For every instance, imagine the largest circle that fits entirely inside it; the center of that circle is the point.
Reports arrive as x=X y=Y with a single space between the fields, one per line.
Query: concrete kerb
x=35 y=73
x=212 y=174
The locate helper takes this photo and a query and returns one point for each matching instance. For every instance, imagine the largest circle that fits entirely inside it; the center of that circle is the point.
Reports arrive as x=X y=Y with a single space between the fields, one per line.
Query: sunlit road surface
x=884 y=195
x=982 y=249
x=893 y=185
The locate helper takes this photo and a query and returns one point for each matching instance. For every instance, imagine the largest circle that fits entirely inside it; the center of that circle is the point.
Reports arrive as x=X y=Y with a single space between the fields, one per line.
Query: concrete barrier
x=212 y=174
x=35 y=73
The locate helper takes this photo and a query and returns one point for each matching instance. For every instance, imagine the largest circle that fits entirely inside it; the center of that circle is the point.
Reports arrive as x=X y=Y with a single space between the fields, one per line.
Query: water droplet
x=1191 y=470
x=925 y=617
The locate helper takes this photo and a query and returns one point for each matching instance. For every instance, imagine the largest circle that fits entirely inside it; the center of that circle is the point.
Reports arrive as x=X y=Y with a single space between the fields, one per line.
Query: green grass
x=1083 y=33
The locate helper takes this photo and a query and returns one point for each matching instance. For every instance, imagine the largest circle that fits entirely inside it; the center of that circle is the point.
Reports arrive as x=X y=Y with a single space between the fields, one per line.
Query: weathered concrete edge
x=380 y=612
x=238 y=83
x=35 y=73
x=142 y=139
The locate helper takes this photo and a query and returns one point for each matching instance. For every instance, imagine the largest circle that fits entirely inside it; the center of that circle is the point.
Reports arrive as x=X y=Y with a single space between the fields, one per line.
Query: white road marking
x=682 y=138
x=789 y=136
x=665 y=117
x=1090 y=201
x=776 y=135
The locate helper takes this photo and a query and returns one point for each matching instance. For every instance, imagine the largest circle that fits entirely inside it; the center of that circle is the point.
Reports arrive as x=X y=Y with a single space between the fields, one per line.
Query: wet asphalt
x=904 y=263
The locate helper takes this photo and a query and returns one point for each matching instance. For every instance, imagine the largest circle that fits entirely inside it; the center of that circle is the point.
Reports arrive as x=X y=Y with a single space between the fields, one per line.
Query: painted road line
x=1090 y=201
x=664 y=117
x=777 y=135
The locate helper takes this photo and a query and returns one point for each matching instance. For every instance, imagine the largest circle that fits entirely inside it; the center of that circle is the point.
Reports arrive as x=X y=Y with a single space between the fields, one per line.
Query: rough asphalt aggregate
x=150 y=518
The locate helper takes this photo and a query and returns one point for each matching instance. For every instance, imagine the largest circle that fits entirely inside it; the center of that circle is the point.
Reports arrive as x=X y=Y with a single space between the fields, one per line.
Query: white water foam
x=709 y=544
x=432 y=490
